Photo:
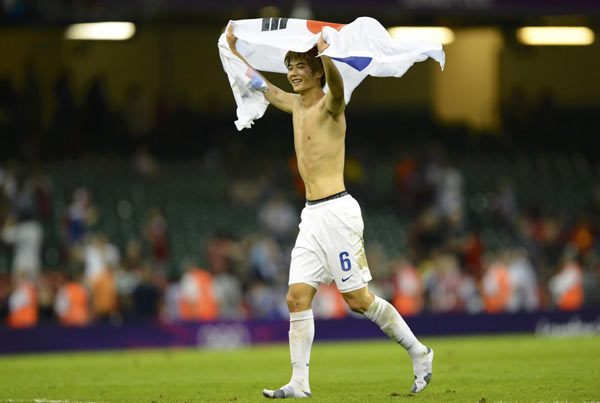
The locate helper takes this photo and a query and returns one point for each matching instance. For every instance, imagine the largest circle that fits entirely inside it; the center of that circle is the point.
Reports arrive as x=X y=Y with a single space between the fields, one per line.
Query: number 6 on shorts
x=345 y=262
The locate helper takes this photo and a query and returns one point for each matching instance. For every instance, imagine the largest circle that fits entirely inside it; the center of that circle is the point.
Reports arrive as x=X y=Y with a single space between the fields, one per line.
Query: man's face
x=301 y=76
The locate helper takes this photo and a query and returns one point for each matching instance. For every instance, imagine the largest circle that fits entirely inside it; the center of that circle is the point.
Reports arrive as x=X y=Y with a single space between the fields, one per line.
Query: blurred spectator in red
x=72 y=303
x=566 y=286
x=41 y=187
x=473 y=249
x=22 y=303
x=197 y=300
x=218 y=252
x=496 y=287
x=408 y=293
x=292 y=164
x=582 y=236
x=408 y=183
x=329 y=303
x=157 y=235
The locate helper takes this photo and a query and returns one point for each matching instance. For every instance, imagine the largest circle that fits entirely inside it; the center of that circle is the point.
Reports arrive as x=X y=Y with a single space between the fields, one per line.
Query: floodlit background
x=127 y=194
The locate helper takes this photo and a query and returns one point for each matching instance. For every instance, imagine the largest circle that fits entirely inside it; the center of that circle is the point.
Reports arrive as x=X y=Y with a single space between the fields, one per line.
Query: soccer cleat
x=423 y=368
x=291 y=390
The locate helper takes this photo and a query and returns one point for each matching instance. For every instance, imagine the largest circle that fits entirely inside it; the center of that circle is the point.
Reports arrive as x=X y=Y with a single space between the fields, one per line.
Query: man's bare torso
x=319 y=142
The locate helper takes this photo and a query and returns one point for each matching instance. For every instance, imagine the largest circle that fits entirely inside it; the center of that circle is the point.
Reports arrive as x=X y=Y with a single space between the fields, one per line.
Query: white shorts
x=330 y=246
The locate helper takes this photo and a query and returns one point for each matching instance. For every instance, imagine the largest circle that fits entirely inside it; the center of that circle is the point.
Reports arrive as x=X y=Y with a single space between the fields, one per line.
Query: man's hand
x=322 y=45
x=231 y=38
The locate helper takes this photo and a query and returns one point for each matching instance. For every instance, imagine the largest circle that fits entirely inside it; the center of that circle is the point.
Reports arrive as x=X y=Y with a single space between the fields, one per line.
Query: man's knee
x=359 y=301
x=300 y=298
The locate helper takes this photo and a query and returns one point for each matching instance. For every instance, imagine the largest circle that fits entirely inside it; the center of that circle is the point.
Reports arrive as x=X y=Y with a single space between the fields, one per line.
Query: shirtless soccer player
x=330 y=243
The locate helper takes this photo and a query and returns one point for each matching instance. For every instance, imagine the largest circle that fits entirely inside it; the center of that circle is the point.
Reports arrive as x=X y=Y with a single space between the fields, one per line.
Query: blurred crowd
x=446 y=267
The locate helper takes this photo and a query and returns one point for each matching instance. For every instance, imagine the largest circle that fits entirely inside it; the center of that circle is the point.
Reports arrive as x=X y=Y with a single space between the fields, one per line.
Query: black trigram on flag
x=273 y=24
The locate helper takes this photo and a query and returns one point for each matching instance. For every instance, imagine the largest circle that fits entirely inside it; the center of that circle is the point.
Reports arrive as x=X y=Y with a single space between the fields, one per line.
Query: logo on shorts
x=344 y=279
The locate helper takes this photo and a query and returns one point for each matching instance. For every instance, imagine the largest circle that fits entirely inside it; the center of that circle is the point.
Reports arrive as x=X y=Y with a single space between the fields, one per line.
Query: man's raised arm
x=281 y=99
x=334 y=100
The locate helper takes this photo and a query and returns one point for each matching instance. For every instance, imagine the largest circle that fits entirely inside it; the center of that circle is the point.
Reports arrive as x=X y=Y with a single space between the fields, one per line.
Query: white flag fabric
x=361 y=48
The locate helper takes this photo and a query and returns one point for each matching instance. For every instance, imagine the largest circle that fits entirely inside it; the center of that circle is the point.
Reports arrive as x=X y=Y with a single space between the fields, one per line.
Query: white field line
x=44 y=401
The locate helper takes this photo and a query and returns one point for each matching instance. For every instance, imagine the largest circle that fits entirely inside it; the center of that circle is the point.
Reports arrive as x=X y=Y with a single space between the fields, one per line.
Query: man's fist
x=231 y=38
x=322 y=45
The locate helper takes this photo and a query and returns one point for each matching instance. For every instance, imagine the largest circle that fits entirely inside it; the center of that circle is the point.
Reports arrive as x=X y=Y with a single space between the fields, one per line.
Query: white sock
x=302 y=333
x=389 y=320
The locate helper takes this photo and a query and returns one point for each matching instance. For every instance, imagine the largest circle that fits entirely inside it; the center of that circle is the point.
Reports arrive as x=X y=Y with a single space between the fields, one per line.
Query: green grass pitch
x=465 y=369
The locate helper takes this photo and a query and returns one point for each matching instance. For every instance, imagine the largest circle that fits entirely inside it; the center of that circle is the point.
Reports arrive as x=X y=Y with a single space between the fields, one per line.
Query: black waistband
x=335 y=196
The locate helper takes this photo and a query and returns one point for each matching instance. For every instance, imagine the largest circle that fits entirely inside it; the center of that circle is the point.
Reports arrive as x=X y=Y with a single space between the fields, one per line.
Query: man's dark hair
x=310 y=57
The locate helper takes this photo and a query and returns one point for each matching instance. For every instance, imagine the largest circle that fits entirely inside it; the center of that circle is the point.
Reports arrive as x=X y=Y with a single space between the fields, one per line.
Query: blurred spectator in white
x=566 y=286
x=496 y=286
x=22 y=303
x=26 y=236
x=23 y=200
x=72 y=303
x=408 y=288
x=8 y=179
x=469 y=294
x=329 y=303
x=524 y=296
x=99 y=256
x=444 y=286
x=279 y=219
x=157 y=236
x=169 y=309
x=221 y=251
x=447 y=182
x=144 y=162
x=229 y=295
x=81 y=215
